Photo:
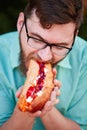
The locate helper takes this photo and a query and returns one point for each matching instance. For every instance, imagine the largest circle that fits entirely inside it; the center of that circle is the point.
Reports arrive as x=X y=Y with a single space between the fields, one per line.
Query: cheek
x=57 y=59
x=25 y=47
x=28 y=50
x=23 y=42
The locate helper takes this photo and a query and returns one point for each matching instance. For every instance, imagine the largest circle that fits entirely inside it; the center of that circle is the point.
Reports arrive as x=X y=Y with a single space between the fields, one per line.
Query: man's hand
x=53 y=99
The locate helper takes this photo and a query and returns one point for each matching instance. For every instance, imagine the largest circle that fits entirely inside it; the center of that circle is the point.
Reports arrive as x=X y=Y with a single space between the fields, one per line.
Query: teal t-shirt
x=71 y=71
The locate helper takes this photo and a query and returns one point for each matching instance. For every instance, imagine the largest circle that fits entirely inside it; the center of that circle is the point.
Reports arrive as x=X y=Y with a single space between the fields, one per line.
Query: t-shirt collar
x=65 y=62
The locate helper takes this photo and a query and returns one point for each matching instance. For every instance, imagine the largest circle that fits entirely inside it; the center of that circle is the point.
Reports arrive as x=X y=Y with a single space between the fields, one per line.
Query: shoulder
x=7 y=41
x=78 y=58
x=8 y=38
x=80 y=44
x=9 y=48
x=79 y=50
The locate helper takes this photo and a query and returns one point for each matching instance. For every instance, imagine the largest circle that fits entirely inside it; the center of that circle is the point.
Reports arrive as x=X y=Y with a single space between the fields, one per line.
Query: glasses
x=41 y=44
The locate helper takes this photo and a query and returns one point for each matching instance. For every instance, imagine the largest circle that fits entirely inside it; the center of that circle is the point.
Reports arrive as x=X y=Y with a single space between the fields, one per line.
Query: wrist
x=23 y=115
x=46 y=115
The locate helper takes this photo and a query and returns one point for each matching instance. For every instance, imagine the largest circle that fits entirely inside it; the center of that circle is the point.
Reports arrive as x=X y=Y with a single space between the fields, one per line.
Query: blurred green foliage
x=9 y=11
x=83 y=28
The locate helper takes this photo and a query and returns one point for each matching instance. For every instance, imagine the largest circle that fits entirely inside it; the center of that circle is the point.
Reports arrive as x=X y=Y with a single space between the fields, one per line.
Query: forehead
x=56 y=32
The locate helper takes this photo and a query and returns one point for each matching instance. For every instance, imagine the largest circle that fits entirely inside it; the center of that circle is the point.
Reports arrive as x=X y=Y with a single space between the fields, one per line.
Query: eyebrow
x=44 y=40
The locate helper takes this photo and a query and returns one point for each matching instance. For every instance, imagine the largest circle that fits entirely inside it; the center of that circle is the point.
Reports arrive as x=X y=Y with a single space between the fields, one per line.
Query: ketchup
x=39 y=85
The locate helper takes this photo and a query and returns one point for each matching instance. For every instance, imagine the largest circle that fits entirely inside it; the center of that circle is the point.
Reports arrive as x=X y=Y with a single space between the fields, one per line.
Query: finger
x=19 y=92
x=57 y=91
x=36 y=114
x=53 y=96
x=48 y=106
x=54 y=72
x=57 y=83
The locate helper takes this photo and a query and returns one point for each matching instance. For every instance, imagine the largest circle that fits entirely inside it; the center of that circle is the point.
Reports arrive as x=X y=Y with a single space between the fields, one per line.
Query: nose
x=45 y=54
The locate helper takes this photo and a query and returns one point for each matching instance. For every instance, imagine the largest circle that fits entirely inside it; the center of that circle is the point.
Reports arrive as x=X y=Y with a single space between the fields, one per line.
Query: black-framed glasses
x=40 y=44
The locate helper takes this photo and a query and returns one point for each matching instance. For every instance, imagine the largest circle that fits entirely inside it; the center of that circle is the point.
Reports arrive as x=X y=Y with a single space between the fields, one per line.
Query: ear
x=20 y=21
x=77 y=32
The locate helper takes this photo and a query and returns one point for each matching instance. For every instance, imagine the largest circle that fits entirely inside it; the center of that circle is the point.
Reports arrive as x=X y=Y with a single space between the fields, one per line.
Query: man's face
x=61 y=35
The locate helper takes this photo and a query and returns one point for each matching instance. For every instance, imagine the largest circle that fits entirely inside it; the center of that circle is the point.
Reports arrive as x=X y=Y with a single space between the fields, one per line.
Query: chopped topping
x=45 y=70
x=29 y=99
x=30 y=92
x=39 y=93
x=35 y=90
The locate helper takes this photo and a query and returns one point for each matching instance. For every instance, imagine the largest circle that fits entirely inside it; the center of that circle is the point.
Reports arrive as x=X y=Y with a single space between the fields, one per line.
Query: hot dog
x=37 y=87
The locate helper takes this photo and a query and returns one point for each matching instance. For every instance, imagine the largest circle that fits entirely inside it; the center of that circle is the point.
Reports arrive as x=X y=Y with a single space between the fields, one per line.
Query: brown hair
x=56 y=11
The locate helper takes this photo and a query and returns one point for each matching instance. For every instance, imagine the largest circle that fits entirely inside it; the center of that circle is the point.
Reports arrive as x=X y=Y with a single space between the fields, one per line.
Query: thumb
x=18 y=92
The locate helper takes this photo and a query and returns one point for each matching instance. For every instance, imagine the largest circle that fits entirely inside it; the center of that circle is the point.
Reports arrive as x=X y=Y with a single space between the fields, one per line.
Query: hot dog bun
x=37 y=87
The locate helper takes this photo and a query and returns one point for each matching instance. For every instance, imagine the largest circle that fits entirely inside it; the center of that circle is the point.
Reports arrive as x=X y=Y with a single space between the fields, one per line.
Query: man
x=47 y=31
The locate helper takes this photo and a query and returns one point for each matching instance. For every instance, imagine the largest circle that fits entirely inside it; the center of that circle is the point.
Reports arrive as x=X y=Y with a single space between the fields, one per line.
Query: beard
x=24 y=61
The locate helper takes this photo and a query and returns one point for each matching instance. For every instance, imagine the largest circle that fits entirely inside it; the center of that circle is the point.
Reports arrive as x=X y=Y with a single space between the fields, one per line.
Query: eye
x=37 y=40
x=59 y=47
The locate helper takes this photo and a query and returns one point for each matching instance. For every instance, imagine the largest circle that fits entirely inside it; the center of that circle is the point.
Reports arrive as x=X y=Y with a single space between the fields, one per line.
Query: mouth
x=37 y=58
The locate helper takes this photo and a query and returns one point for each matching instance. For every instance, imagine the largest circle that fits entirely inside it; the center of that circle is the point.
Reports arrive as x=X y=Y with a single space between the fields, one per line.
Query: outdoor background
x=10 y=9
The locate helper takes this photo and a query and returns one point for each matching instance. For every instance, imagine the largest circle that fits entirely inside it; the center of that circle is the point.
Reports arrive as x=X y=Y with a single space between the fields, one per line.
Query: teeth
x=35 y=81
x=29 y=99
